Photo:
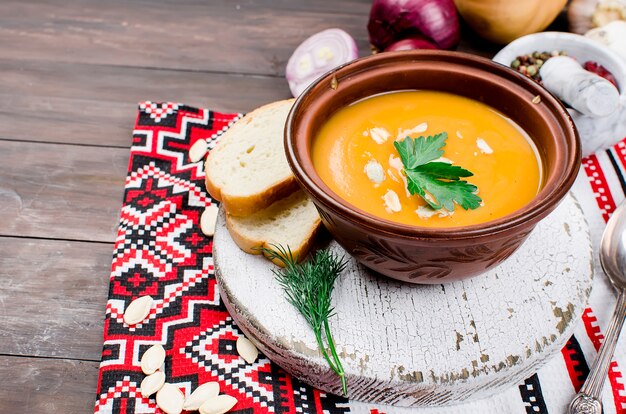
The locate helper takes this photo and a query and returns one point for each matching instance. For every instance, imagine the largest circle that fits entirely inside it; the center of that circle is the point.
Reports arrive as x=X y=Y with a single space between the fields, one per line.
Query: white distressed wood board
x=423 y=345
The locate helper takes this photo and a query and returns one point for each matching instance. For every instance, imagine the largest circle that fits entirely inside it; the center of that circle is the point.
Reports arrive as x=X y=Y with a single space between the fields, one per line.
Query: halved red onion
x=393 y=20
x=317 y=55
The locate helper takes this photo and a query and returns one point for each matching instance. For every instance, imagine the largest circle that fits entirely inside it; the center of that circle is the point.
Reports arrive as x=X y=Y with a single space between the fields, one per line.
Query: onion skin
x=502 y=21
x=393 y=20
x=410 y=44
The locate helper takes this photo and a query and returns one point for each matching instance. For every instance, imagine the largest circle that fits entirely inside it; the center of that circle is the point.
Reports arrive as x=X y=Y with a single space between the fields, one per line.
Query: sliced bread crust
x=291 y=222
x=247 y=170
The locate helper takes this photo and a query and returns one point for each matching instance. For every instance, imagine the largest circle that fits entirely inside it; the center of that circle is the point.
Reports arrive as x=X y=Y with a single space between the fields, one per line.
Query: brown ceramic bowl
x=419 y=254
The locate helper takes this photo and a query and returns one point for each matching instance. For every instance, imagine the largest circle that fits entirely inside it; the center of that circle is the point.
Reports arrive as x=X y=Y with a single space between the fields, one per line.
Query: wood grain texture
x=252 y=37
x=429 y=345
x=96 y=105
x=41 y=385
x=61 y=191
x=64 y=321
x=242 y=37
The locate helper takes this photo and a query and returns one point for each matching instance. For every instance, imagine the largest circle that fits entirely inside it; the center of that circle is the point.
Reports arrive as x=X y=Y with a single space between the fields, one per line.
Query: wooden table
x=71 y=75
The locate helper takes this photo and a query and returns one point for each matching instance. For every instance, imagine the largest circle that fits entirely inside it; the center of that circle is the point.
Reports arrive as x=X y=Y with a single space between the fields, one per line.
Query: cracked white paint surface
x=426 y=344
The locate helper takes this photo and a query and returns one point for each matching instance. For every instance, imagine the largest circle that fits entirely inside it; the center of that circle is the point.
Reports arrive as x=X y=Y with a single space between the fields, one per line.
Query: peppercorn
x=530 y=63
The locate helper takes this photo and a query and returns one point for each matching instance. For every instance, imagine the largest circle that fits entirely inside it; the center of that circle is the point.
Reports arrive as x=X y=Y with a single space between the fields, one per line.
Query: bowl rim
x=542 y=204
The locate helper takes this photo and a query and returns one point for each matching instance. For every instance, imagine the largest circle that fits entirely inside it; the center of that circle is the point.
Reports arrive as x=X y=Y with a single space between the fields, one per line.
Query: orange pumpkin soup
x=354 y=155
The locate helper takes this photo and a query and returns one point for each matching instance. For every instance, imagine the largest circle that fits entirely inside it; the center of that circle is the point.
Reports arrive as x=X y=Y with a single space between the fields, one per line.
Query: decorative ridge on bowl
x=544 y=118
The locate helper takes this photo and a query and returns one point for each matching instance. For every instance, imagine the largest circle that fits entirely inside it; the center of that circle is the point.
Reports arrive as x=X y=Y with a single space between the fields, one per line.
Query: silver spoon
x=613 y=260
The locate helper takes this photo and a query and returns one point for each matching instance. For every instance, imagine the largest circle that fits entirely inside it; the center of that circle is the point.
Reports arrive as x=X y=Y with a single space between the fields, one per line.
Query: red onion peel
x=411 y=44
x=393 y=20
x=317 y=55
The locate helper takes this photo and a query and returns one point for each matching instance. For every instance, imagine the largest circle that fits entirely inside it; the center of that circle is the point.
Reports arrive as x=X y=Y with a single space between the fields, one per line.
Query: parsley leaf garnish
x=438 y=183
x=415 y=152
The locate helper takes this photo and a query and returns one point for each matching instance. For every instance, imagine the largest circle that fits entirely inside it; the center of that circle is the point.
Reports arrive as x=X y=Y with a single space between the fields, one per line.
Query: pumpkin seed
x=247 y=350
x=198 y=150
x=138 y=310
x=152 y=383
x=170 y=399
x=334 y=83
x=201 y=394
x=152 y=359
x=218 y=405
x=208 y=220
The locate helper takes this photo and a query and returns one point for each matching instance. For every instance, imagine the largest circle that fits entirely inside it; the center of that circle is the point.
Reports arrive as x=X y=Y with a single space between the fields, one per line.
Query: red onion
x=410 y=44
x=317 y=55
x=392 y=20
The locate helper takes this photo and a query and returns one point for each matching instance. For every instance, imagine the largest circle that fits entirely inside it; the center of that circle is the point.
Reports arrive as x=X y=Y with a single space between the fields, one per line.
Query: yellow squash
x=502 y=21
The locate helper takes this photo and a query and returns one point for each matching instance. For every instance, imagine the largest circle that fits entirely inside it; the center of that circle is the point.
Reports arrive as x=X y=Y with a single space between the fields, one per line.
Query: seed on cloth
x=152 y=383
x=198 y=150
x=208 y=220
x=218 y=405
x=170 y=399
x=201 y=394
x=247 y=350
x=138 y=310
x=152 y=359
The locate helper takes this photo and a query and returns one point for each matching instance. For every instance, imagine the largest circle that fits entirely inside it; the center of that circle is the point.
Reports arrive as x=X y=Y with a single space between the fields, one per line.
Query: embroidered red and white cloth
x=160 y=251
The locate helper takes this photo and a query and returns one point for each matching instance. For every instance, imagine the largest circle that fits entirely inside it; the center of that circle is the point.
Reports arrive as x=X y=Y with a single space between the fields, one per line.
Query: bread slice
x=291 y=222
x=247 y=170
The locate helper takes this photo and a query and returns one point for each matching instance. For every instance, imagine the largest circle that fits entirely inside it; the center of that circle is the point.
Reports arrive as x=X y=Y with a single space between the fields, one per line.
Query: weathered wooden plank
x=249 y=36
x=52 y=297
x=245 y=36
x=40 y=101
x=40 y=385
x=61 y=191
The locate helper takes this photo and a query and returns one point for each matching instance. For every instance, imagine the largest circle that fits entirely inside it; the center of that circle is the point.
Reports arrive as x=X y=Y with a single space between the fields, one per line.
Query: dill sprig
x=309 y=286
